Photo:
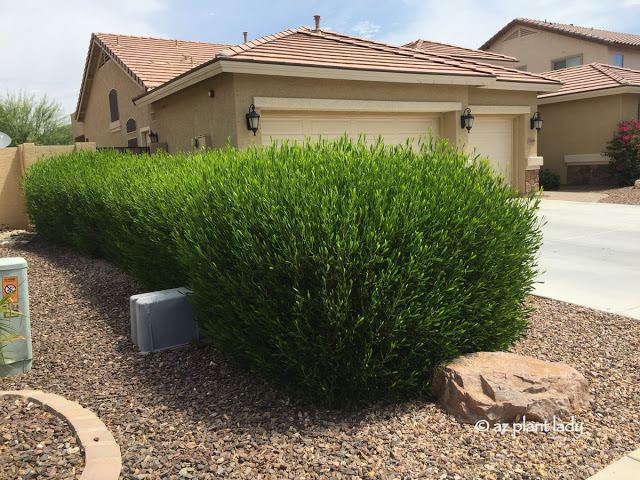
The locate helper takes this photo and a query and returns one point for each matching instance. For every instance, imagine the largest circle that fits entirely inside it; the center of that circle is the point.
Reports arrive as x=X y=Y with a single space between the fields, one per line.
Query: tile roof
x=321 y=48
x=157 y=60
x=585 y=33
x=458 y=52
x=592 y=77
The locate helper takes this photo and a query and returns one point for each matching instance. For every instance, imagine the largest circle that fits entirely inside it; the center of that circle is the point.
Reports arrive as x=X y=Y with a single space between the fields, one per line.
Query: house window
x=567 y=63
x=113 y=105
x=618 y=60
x=522 y=68
x=131 y=125
x=132 y=142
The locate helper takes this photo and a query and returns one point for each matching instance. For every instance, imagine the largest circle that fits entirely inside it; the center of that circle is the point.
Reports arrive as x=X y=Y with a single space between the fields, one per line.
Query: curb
x=101 y=452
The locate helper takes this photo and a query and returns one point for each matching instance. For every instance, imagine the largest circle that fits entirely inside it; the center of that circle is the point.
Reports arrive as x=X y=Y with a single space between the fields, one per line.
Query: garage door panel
x=492 y=137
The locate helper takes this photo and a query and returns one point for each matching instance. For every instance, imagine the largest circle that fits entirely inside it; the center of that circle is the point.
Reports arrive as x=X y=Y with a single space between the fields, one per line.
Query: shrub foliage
x=344 y=272
x=549 y=180
x=623 y=151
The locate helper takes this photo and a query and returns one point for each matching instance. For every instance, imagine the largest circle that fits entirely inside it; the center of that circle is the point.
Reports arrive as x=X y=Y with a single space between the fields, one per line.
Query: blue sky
x=43 y=43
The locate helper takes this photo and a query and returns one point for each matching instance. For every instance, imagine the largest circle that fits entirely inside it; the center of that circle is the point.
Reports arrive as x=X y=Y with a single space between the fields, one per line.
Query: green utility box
x=17 y=353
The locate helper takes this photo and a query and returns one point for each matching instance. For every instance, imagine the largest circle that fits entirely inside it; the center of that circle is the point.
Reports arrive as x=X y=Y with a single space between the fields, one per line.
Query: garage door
x=493 y=137
x=394 y=128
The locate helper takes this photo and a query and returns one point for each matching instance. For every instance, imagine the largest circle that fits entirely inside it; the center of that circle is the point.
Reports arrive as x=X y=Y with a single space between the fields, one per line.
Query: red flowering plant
x=624 y=153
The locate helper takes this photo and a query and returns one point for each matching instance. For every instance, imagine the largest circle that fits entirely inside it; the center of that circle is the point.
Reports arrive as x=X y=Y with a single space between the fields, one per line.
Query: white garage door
x=493 y=137
x=394 y=128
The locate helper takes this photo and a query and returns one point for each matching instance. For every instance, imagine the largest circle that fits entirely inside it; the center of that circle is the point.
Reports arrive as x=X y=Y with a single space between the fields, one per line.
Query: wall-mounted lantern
x=536 y=121
x=466 y=120
x=253 y=119
x=153 y=137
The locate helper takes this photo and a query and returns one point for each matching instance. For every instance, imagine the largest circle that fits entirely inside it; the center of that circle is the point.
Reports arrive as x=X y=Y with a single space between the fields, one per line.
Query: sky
x=44 y=43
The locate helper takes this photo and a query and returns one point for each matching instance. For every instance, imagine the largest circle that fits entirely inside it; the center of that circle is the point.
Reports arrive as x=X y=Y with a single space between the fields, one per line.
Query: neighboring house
x=581 y=117
x=541 y=46
x=463 y=53
x=312 y=82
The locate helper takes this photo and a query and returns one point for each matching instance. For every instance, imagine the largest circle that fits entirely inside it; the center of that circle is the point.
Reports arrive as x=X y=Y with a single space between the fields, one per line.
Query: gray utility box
x=17 y=353
x=162 y=319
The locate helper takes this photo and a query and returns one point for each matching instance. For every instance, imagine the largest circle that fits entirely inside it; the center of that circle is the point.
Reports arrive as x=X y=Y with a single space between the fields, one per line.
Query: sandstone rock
x=637 y=184
x=501 y=387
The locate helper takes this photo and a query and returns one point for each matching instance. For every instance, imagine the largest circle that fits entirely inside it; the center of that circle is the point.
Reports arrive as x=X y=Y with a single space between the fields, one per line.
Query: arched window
x=131 y=125
x=113 y=105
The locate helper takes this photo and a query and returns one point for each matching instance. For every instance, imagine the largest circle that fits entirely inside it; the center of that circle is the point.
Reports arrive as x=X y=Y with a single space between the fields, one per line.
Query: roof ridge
x=160 y=38
x=236 y=49
x=421 y=41
x=601 y=68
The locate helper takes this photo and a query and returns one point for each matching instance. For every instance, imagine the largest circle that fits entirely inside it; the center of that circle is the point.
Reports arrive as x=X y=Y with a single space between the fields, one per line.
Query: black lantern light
x=536 y=121
x=153 y=137
x=253 y=119
x=466 y=120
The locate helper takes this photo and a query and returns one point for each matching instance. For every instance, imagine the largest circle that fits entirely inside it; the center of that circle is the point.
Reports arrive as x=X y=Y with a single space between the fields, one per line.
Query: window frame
x=565 y=59
x=114 y=111
x=621 y=55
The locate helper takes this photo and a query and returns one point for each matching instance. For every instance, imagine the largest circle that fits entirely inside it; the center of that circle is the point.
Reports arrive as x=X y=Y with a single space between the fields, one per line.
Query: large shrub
x=344 y=272
x=623 y=151
x=549 y=180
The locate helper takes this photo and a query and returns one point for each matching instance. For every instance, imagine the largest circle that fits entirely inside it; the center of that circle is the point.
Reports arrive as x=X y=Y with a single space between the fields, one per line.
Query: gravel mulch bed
x=623 y=195
x=185 y=414
x=36 y=444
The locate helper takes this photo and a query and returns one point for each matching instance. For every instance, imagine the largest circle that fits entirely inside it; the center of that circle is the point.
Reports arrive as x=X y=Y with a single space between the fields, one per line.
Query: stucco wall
x=581 y=127
x=97 y=119
x=14 y=162
x=538 y=50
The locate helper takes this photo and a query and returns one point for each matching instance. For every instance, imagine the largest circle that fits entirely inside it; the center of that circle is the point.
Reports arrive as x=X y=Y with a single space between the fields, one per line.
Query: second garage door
x=493 y=137
x=394 y=128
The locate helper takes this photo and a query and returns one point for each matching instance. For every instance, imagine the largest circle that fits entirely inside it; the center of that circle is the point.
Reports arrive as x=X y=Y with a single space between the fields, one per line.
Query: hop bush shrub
x=344 y=272
x=623 y=151
x=549 y=180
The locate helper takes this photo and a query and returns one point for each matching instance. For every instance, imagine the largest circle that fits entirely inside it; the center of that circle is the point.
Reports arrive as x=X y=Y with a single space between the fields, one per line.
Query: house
x=463 y=53
x=541 y=46
x=301 y=82
x=582 y=116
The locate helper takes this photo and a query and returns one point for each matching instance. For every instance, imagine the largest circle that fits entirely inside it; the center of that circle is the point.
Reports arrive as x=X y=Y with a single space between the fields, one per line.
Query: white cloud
x=365 y=29
x=44 y=44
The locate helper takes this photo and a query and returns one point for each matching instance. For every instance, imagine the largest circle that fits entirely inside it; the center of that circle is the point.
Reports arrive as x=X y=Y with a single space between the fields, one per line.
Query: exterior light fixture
x=253 y=119
x=536 y=121
x=466 y=120
x=153 y=137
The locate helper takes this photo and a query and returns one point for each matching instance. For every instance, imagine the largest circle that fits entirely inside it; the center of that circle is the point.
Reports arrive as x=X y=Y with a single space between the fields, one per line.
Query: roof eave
x=599 y=92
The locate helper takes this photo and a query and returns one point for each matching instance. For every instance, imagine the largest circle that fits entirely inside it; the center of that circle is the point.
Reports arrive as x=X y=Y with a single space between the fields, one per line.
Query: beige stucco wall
x=538 y=50
x=97 y=119
x=14 y=162
x=191 y=112
x=581 y=127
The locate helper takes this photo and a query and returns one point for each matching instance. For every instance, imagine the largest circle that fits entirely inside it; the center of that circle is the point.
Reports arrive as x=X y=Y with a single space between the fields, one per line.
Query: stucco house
x=581 y=117
x=305 y=81
x=541 y=46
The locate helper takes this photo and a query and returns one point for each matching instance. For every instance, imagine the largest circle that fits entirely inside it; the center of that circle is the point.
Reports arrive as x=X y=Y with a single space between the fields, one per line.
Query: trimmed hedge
x=344 y=272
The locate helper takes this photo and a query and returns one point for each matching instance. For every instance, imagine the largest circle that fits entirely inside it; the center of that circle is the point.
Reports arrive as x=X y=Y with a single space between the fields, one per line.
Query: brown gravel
x=624 y=195
x=185 y=414
x=36 y=444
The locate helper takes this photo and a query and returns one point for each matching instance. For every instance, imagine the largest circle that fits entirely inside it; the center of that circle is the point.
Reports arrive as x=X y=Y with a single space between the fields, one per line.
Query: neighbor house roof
x=304 y=48
x=585 y=33
x=459 y=52
x=149 y=62
x=591 y=78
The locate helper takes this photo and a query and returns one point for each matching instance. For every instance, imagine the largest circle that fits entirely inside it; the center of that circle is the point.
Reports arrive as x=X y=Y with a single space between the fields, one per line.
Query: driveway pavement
x=591 y=255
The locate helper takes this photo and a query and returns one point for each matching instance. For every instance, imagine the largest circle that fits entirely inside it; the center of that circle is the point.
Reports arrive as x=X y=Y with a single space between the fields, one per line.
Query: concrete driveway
x=591 y=255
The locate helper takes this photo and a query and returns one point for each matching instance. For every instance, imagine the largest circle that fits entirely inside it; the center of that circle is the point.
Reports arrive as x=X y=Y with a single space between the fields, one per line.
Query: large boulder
x=504 y=387
x=637 y=183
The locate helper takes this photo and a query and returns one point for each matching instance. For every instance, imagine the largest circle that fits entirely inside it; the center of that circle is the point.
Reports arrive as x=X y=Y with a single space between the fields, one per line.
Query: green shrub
x=623 y=151
x=549 y=180
x=345 y=273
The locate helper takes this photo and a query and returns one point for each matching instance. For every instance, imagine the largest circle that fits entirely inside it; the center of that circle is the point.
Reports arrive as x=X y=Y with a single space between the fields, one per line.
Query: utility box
x=17 y=353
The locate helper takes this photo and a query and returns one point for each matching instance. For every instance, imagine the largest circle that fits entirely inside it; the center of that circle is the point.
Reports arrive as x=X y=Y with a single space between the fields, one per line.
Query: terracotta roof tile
x=458 y=52
x=592 y=77
x=591 y=34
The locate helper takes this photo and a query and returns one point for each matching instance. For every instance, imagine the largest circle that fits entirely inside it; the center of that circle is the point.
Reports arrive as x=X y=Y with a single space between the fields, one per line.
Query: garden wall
x=14 y=161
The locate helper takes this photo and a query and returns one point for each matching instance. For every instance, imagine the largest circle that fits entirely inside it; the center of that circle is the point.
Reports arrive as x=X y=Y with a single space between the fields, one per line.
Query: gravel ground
x=624 y=195
x=36 y=444
x=185 y=414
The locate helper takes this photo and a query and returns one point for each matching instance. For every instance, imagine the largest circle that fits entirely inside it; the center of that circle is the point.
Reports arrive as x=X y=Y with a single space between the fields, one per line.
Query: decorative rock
x=504 y=387
x=637 y=184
